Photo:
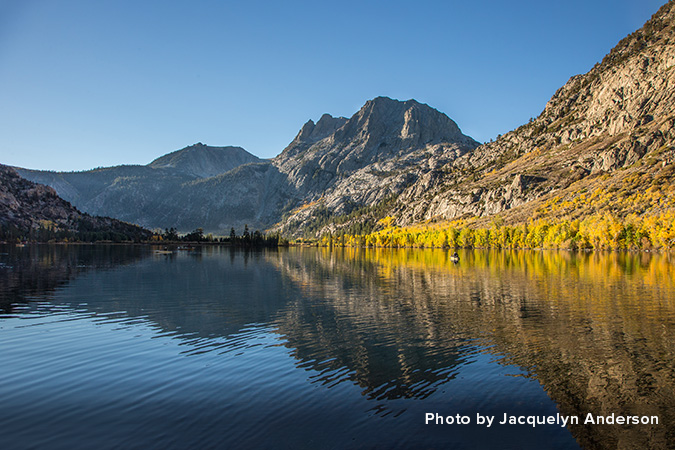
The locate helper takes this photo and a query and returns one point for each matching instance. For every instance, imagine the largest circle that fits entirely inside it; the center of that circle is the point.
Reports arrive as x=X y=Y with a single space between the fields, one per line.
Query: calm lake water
x=121 y=347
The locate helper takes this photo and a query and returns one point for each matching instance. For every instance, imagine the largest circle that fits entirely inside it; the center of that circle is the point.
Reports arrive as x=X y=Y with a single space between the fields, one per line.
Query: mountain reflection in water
x=408 y=330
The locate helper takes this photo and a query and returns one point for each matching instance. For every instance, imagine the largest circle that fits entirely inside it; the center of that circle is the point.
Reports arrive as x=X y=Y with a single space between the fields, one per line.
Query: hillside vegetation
x=595 y=170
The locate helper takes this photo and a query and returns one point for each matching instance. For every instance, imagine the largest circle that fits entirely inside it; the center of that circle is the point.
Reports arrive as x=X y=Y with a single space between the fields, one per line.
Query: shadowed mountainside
x=28 y=209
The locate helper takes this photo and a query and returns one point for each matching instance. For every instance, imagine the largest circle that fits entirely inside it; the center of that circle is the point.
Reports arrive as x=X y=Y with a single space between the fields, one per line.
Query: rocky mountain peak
x=375 y=154
x=305 y=131
x=326 y=126
x=311 y=133
x=404 y=124
x=382 y=129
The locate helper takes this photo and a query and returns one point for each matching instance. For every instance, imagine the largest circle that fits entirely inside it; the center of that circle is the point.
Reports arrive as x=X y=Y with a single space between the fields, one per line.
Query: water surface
x=121 y=347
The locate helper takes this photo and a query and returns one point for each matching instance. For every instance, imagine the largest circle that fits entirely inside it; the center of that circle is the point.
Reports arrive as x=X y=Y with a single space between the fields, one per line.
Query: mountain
x=202 y=161
x=140 y=194
x=605 y=143
x=33 y=210
x=361 y=162
x=333 y=167
x=384 y=129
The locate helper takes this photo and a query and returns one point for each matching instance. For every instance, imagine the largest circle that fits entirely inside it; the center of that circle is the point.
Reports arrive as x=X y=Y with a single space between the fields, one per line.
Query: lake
x=125 y=347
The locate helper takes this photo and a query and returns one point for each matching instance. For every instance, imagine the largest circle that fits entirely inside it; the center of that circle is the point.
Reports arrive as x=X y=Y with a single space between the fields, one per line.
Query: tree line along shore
x=595 y=232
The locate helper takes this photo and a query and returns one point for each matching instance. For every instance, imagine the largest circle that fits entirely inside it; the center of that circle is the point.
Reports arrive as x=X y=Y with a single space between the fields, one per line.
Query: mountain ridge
x=336 y=159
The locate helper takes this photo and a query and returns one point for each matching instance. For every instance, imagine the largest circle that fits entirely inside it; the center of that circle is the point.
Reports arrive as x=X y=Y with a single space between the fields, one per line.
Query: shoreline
x=174 y=245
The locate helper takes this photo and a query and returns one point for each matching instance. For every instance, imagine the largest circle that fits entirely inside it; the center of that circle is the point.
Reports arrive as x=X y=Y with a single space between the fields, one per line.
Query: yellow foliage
x=597 y=231
x=386 y=222
x=305 y=206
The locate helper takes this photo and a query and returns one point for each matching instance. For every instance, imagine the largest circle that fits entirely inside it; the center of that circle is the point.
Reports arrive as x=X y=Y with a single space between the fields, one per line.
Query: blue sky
x=86 y=84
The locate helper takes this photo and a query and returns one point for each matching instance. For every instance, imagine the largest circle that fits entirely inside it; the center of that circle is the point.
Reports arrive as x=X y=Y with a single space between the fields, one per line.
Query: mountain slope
x=29 y=209
x=604 y=143
x=253 y=194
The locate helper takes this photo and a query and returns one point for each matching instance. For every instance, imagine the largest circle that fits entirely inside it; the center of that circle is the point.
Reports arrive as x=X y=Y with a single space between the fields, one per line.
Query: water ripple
x=310 y=350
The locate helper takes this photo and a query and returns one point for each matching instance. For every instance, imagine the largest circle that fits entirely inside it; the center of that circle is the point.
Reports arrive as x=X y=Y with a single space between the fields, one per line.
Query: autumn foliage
x=598 y=231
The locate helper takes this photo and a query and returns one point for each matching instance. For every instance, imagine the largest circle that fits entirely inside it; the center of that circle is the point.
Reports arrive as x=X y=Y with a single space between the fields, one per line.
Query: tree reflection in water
x=597 y=330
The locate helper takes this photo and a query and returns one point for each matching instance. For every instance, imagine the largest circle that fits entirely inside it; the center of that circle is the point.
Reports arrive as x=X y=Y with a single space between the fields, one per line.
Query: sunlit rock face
x=383 y=148
x=614 y=122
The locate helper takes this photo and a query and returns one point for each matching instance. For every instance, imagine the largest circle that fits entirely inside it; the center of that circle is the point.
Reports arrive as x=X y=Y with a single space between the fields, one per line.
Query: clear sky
x=98 y=83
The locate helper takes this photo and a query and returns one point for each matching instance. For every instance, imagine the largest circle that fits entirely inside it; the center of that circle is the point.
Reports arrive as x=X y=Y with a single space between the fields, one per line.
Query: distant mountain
x=140 y=194
x=31 y=210
x=202 y=161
